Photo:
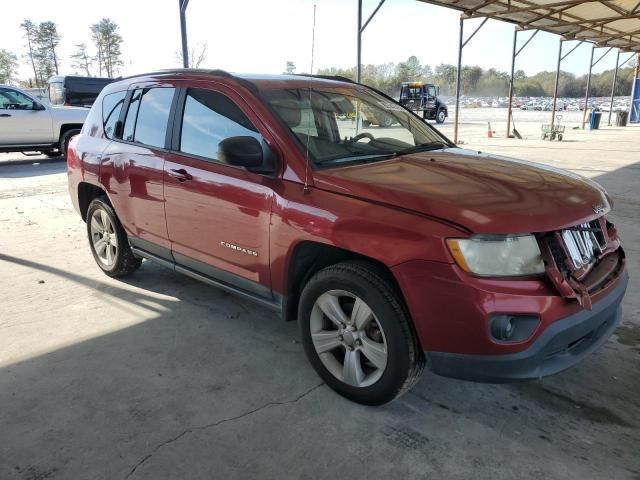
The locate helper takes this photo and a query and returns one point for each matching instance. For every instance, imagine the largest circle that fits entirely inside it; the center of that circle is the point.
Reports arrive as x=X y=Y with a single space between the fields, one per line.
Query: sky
x=260 y=36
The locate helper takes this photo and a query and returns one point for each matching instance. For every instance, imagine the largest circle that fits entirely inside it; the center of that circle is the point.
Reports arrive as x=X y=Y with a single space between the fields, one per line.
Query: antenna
x=306 y=166
x=313 y=37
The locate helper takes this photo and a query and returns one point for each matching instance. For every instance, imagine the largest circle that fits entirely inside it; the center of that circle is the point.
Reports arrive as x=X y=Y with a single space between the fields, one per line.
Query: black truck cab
x=423 y=97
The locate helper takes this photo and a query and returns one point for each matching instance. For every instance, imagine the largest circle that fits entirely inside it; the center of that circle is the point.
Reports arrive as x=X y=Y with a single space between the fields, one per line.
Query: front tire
x=357 y=334
x=441 y=116
x=108 y=241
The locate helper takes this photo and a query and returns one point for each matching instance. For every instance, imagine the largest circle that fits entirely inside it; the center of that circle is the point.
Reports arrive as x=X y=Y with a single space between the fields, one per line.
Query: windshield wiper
x=423 y=147
x=383 y=155
x=359 y=157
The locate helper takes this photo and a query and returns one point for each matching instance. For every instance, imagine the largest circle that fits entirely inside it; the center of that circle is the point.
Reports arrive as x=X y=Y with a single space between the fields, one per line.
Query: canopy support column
x=361 y=28
x=555 y=88
x=458 y=75
x=591 y=65
x=613 y=87
x=461 y=45
x=513 y=64
x=586 y=96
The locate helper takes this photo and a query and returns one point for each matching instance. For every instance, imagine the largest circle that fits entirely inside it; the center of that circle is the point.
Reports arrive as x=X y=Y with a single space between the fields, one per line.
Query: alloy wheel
x=348 y=338
x=103 y=237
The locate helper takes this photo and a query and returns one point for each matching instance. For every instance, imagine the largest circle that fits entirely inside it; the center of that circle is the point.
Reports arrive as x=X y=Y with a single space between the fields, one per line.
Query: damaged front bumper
x=560 y=346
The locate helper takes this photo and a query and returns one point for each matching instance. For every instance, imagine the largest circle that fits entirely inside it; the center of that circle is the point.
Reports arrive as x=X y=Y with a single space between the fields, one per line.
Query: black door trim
x=203 y=272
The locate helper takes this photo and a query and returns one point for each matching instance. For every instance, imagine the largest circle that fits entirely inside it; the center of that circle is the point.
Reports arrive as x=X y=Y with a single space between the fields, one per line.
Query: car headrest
x=289 y=110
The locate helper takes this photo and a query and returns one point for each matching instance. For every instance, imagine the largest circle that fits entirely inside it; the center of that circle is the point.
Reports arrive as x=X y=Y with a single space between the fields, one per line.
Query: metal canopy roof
x=607 y=23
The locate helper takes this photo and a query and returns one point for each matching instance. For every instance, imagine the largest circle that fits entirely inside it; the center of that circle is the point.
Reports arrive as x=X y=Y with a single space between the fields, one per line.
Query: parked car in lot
x=392 y=248
x=27 y=125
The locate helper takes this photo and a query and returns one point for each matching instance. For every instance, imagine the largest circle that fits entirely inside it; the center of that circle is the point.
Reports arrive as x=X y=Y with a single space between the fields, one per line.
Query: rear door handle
x=5 y=114
x=180 y=174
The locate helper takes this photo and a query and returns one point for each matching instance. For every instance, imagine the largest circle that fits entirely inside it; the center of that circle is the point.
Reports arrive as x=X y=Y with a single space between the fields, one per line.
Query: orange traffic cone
x=489 y=132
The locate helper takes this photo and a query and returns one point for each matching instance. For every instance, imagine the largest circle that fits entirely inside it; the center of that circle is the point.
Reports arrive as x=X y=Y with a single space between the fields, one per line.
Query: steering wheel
x=360 y=136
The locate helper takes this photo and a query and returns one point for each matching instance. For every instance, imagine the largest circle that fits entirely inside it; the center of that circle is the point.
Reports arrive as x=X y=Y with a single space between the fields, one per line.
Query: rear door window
x=148 y=116
x=208 y=118
x=111 y=106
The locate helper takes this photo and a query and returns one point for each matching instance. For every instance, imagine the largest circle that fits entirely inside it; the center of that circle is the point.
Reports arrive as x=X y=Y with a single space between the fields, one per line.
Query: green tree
x=30 y=33
x=108 y=43
x=81 y=59
x=410 y=70
x=445 y=76
x=47 y=40
x=470 y=78
x=8 y=66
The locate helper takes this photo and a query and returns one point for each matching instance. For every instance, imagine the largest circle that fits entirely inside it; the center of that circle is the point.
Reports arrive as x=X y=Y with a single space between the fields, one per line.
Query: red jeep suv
x=391 y=247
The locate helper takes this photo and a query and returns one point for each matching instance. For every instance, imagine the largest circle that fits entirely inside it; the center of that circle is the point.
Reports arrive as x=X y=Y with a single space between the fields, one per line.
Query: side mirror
x=247 y=152
x=37 y=106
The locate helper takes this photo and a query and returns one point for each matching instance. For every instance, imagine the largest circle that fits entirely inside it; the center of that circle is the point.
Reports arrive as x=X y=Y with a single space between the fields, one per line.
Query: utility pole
x=183 y=31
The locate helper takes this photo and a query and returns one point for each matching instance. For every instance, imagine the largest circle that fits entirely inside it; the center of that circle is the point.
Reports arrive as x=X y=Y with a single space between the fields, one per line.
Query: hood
x=483 y=193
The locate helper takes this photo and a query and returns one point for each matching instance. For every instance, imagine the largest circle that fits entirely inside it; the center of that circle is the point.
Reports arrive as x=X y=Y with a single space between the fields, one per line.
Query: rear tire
x=365 y=349
x=108 y=240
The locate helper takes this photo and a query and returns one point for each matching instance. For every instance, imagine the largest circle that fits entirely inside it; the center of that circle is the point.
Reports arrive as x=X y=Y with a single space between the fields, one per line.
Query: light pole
x=183 y=31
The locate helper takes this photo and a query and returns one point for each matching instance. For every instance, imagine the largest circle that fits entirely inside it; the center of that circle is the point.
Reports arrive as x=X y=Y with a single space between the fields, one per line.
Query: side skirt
x=275 y=304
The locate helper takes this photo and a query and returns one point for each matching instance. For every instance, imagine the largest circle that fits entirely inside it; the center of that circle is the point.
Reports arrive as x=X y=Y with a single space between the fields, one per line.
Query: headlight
x=497 y=256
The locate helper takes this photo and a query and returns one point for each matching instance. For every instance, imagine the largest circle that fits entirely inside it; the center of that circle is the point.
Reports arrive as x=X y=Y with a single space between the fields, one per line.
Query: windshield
x=343 y=125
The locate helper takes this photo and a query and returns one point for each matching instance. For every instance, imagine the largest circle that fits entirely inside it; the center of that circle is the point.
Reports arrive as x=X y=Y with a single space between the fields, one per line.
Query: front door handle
x=5 y=114
x=180 y=174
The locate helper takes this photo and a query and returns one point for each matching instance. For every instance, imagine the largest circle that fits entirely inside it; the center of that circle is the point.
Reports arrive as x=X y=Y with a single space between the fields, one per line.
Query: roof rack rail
x=218 y=72
x=337 y=78
x=209 y=71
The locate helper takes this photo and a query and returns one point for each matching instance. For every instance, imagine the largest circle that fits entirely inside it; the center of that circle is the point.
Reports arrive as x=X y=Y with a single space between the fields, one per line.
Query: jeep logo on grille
x=598 y=208
x=238 y=248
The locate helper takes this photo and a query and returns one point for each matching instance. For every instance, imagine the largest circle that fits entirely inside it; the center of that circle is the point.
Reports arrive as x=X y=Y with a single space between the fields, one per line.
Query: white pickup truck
x=26 y=125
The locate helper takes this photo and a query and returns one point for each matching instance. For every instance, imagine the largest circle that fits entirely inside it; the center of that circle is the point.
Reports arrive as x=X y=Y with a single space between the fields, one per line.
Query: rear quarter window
x=111 y=107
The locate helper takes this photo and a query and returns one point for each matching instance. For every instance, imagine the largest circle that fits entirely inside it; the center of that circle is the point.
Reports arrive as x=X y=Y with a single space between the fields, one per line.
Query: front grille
x=586 y=257
x=583 y=242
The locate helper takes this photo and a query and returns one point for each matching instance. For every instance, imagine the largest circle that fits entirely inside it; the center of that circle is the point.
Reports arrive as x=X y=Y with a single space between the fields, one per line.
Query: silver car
x=27 y=125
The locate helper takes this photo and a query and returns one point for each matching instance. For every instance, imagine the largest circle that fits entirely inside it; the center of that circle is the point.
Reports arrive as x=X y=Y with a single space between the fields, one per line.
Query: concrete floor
x=162 y=377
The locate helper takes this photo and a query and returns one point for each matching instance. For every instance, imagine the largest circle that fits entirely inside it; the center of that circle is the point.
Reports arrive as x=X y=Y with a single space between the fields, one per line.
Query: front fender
x=390 y=236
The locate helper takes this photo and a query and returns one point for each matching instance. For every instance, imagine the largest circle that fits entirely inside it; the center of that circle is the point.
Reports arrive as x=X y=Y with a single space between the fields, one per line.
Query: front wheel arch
x=309 y=257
